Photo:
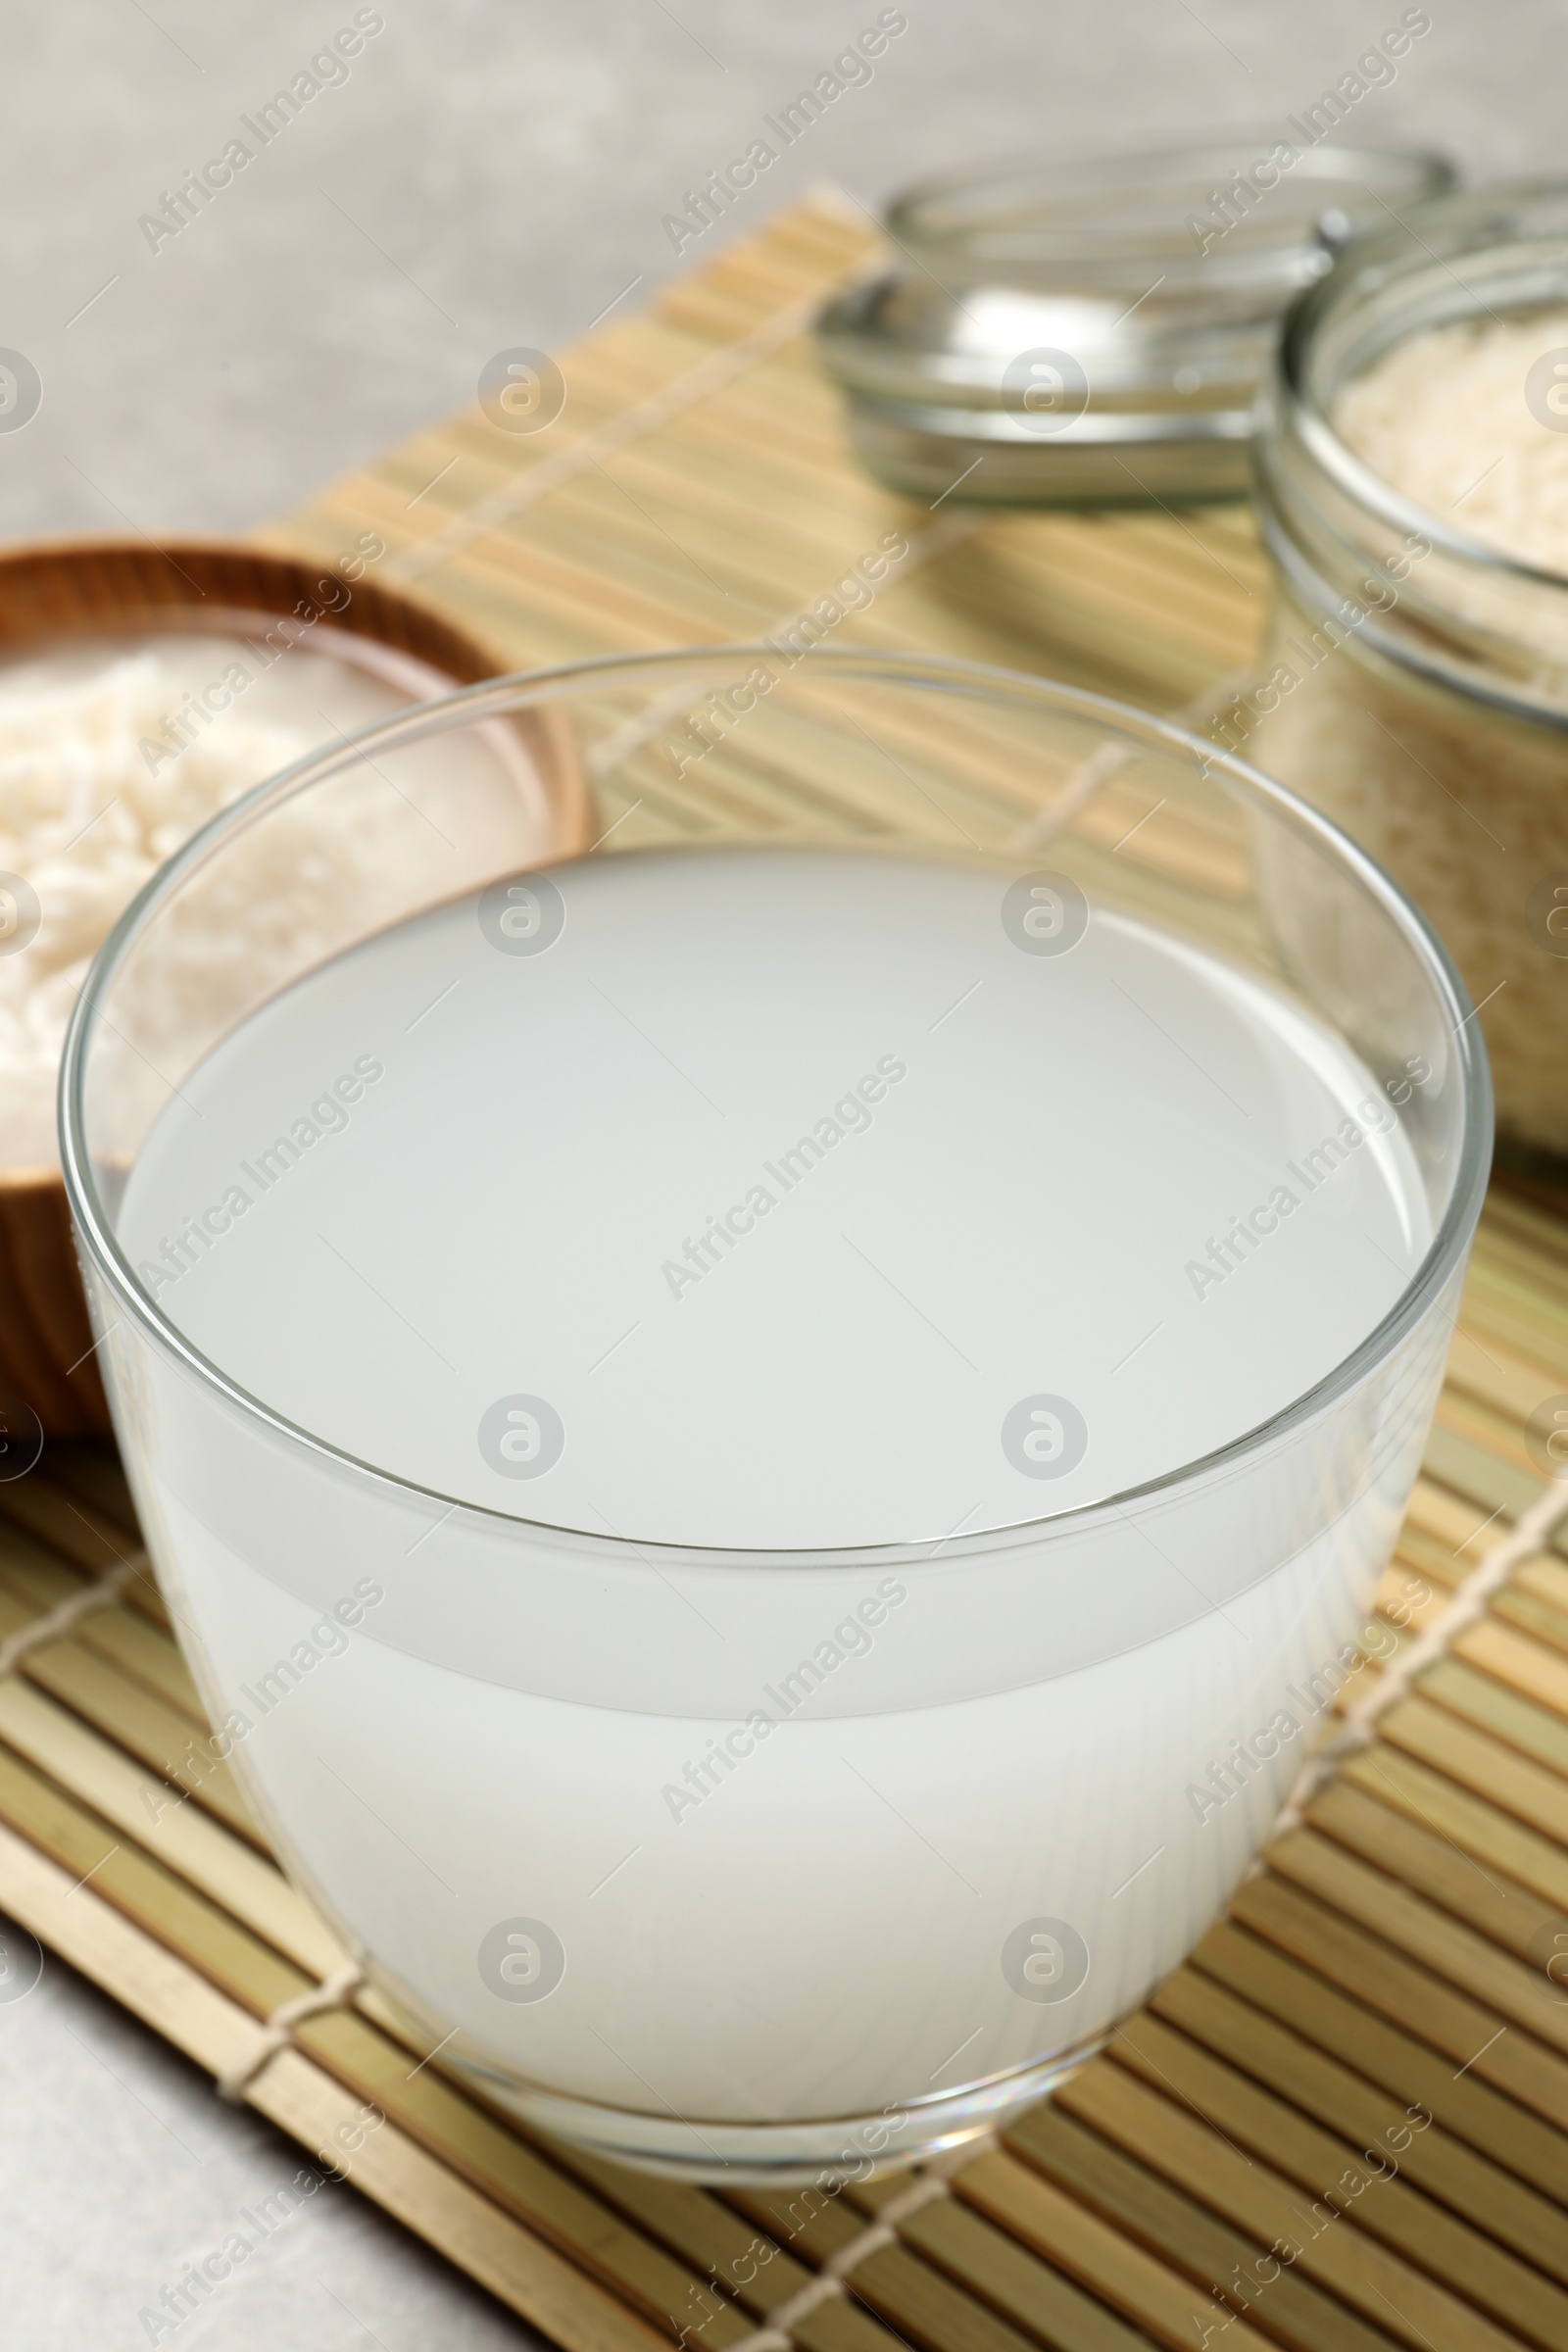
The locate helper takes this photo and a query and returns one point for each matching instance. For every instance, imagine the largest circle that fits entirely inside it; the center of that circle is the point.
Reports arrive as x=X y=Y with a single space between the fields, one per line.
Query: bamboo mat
x=1343 y=2126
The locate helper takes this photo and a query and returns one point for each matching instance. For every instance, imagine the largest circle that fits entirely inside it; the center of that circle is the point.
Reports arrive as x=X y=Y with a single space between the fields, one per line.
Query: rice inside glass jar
x=1413 y=491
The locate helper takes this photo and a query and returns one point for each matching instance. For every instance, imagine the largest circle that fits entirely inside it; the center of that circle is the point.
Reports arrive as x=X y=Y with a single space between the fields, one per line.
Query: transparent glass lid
x=1041 y=319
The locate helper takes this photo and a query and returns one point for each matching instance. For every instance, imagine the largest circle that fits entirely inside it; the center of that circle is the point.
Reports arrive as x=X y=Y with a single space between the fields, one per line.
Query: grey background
x=493 y=173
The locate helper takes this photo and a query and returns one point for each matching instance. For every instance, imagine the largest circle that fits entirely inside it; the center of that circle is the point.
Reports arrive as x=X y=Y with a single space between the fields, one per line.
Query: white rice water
x=772 y=1202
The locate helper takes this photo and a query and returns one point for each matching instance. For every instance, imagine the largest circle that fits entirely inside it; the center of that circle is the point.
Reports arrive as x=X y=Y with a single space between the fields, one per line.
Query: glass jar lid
x=1096 y=331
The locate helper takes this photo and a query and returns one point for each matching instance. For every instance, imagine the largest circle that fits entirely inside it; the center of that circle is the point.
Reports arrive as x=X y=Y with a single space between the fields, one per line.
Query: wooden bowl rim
x=68 y=553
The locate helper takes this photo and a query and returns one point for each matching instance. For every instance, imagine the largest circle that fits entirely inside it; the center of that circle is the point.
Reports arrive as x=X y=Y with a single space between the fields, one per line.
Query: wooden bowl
x=52 y=593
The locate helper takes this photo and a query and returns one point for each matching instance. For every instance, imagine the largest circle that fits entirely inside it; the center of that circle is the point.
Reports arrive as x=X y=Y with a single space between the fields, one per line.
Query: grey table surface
x=487 y=175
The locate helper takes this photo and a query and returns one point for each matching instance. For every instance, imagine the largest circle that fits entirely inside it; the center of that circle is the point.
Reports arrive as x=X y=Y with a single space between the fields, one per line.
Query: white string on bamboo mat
x=277 y=2034
x=1465 y=1607
x=643 y=725
x=1107 y=760
x=646 y=415
x=57 y=1622
x=883 y=2232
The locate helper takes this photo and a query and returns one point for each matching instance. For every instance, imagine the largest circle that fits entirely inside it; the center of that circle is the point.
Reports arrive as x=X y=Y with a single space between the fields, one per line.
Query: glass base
x=836 y=2149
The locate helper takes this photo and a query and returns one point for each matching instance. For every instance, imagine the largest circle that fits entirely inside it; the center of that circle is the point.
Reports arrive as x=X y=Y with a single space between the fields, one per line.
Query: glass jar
x=1414 y=683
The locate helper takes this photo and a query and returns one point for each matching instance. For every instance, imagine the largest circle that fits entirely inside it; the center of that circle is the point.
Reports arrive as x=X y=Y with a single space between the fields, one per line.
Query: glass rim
x=1298 y=407
x=498 y=698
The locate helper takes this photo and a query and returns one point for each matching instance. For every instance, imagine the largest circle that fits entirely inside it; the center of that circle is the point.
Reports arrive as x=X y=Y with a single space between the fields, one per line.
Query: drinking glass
x=1048 y=1746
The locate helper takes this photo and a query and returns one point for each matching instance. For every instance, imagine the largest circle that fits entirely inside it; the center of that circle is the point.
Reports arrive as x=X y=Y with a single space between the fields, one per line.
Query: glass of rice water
x=769 y=1446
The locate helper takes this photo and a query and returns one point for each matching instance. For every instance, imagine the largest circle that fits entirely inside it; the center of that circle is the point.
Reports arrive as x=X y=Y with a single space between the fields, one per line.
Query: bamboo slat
x=1209 y=2180
x=1184 y=2233
x=1276 y=2208
x=1385 y=2055
x=1362 y=2116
